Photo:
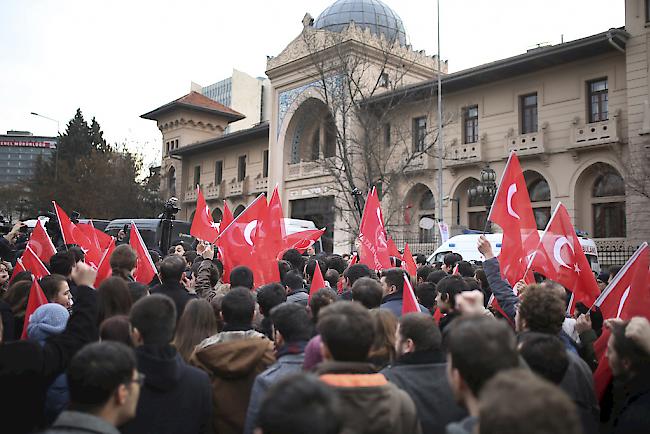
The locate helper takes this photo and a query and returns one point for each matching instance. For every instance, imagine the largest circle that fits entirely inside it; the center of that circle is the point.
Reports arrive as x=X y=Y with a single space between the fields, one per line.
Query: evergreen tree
x=75 y=142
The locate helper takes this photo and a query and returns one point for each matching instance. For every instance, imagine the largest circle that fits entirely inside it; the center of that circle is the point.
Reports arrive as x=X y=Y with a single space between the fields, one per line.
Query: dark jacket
x=578 y=383
x=175 y=397
x=8 y=332
x=232 y=359
x=370 y=404
x=75 y=422
x=286 y=364
x=27 y=368
x=423 y=376
x=177 y=292
x=393 y=302
x=502 y=291
x=632 y=415
x=298 y=296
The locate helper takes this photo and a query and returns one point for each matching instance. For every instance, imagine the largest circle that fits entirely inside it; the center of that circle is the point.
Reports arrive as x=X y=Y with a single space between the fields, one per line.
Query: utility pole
x=440 y=145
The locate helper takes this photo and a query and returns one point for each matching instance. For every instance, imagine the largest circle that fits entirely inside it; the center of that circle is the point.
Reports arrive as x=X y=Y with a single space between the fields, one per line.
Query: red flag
x=99 y=239
x=32 y=263
x=268 y=242
x=73 y=235
x=512 y=211
x=393 y=250
x=409 y=301
x=235 y=240
x=35 y=300
x=227 y=217
x=626 y=296
x=408 y=263
x=373 y=246
x=317 y=282
x=145 y=268
x=437 y=315
x=566 y=262
x=203 y=227
x=354 y=259
x=40 y=243
x=104 y=270
x=301 y=240
x=18 y=268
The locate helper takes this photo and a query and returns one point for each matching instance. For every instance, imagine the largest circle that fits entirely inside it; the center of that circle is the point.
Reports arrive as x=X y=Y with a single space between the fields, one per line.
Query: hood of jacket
x=161 y=365
x=232 y=354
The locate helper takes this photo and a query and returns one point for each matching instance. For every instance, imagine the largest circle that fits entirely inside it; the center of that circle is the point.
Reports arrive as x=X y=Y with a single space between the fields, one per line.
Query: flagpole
x=440 y=146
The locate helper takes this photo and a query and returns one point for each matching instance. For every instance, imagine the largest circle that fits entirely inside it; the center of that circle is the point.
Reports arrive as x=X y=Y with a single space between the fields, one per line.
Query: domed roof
x=371 y=14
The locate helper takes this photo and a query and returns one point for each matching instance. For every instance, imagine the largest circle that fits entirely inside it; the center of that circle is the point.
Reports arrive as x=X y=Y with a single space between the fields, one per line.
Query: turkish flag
x=317 y=282
x=18 y=268
x=32 y=263
x=73 y=235
x=236 y=240
x=99 y=239
x=565 y=261
x=393 y=250
x=227 y=217
x=373 y=247
x=409 y=301
x=354 y=259
x=40 y=243
x=35 y=300
x=268 y=242
x=407 y=261
x=104 y=270
x=512 y=211
x=145 y=269
x=300 y=240
x=203 y=227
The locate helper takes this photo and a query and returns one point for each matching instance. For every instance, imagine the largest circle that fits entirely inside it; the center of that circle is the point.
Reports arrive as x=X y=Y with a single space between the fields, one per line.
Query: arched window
x=217 y=215
x=427 y=207
x=238 y=210
x=171 y=181
x=476 y=209
x=540 y=197
x=608 y=206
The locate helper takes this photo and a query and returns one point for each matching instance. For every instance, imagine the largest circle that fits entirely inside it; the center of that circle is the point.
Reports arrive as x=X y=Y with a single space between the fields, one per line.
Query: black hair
x=394 y=276
x=172 y=268
x=451 y=259
x=241 y=276
x=451 y=286
x=292 y=321
x=238 y=306
x=423 y=272
x=310 y=268
x=436 y=276
x=155 y=318
x=472 y=283
x=368 y=292
x=347 y=329
x=62 y=263
x=137 y=290
x=465 y=269
x=50 y=286
x=284 y=267
x=77 y=253
x=96 y=371
x=300 y=404
x=269 y=296
x=190 y=256
x=357 y=271
x=545 y=355
x=332 y=277
x=628 y=349
x=321 y=298
x=336 y=262
x=293 y=280
x=426 y=294
x=296 y=260
x=422 y=330
x=420 y=259
x=479 y=347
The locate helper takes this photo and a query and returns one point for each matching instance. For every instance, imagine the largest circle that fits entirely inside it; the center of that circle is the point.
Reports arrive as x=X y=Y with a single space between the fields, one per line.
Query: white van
x=292 y=226
x=465 y=245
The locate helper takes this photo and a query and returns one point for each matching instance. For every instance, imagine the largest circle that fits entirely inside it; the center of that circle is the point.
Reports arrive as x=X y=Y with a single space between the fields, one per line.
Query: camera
x=170 y=209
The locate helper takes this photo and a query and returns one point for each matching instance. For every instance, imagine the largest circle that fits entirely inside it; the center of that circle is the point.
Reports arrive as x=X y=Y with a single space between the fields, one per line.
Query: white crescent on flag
x=250 y=227
x=557 y=250
x=511 y=192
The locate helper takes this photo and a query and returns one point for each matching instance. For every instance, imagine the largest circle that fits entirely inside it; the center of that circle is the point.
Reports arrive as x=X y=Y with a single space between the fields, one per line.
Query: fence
x=612 y=255
x=426 y=245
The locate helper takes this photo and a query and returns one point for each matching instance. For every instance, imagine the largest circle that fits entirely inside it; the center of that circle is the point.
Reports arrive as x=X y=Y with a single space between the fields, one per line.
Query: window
x=265 y=164
x=476 y=220
x=218 y=172
x=540 y=198
x=470 y=121
x=241 y=168
x=419 y=133
x=166 y=148
x=387 y=135
x=315 y=145
x=427 y=207
x=528 y=105
x=383 y=80
x=171 y=181
x=597 y=100
x=197 y=176
x=330 y=138
x=647 y=11
x=608 y=206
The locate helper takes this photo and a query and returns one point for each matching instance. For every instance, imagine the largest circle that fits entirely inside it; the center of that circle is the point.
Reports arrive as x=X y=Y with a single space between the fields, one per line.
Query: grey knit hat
x=49 y=319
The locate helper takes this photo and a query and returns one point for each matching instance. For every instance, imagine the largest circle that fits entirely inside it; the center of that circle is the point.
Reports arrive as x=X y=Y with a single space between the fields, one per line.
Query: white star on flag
x=576 y=268
x=214 y=225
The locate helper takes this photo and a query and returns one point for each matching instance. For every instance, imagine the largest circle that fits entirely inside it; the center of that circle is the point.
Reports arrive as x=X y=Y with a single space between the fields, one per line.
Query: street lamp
x=56 y=154
x=485 y=191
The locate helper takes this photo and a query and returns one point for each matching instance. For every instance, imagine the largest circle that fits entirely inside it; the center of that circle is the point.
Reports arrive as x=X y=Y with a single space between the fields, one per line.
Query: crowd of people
x=192 y=353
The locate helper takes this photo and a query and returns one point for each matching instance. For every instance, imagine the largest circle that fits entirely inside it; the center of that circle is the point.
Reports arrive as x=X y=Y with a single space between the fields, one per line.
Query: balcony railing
x=190 y=195
x=464 y=154
x=417 y=163
x=260 y=185
x=237 y=188
x=594 y=134
x=216 y=191
x=526 y=144
x=305 y=169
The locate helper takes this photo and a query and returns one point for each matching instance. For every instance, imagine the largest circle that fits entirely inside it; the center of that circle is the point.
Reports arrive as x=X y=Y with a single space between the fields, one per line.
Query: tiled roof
x=196 y=101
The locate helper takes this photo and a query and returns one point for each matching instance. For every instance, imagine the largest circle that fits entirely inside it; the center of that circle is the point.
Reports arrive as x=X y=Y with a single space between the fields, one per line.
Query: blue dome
x=371 y=14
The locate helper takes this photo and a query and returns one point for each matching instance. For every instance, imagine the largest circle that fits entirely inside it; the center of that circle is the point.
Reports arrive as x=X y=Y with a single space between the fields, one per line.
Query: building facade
x=19 y=153
x=577 y=113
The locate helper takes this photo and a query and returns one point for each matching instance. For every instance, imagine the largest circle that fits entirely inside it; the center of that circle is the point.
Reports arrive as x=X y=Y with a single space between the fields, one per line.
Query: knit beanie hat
x=49 y=319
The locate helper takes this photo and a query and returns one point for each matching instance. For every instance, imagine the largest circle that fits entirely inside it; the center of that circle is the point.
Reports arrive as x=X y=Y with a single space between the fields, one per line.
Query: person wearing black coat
x=175 y=397
x=172 y=269
x=420 y=371
x=27 y=367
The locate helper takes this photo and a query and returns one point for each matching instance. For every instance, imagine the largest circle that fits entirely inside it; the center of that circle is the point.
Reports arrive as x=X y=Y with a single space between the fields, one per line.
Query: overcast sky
x=118 y=59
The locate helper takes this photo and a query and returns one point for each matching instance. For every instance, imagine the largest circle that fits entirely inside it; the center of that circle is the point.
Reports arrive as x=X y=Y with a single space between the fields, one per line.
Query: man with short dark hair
x=310 y=268
x=420 y=260
x=420 y=371
x=296 y=260
x=516 y=401
x=241 y=276
x=300 y=404
x=269 y=296
x=423 y=272
x=65 y=264
x=370 y=403
x=545 y=355
x=104 y=387
x=465 y=269
x=448 y=288
x=171 y=274
x=392 y=282
x=175 y=397
x=295 y=288
x=233 y=358
x=368 y=292
x=450 y=261
x=426 y=294
x=436 y=276
x=352 y=274
x=478 y=348
x=293 y=329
